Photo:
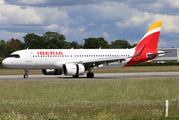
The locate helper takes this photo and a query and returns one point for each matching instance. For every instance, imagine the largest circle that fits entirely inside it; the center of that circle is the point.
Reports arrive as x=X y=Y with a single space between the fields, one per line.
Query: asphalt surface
x=97 y=76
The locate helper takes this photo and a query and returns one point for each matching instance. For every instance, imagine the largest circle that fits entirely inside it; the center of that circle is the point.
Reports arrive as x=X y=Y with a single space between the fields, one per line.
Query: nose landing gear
x=26 y=73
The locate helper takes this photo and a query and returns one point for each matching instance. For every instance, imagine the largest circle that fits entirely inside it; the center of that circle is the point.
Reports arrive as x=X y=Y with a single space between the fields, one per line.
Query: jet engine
x=73 y=69
x=52 y=71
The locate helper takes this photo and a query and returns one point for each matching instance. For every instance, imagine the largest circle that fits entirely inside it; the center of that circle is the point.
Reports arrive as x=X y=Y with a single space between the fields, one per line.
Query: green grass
x=90 y=99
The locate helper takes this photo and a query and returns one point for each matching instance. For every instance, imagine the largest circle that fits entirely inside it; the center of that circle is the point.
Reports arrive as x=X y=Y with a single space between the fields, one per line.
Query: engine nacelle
x=73 y=69
x=52 y=71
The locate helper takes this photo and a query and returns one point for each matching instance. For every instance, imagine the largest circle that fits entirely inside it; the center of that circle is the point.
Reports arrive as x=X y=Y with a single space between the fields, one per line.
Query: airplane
x=74 y=62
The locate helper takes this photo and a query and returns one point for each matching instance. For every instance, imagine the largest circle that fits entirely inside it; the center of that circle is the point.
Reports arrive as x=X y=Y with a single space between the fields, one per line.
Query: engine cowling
x=73 y=69
x=52 y=71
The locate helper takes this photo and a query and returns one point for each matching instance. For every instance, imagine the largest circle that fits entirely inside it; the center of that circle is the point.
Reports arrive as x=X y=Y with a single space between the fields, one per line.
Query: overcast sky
x=79 y=19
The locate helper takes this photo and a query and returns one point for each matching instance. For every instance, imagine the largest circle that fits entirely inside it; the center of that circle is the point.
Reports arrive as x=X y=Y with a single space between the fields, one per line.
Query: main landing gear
x=90 y=74
x=26 y=73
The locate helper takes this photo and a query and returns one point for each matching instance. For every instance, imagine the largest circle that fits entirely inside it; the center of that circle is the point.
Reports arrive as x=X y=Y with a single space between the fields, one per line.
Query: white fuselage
x=55 y=58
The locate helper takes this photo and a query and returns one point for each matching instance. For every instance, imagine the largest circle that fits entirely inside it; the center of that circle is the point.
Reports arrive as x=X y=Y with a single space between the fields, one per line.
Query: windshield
x=15 y=56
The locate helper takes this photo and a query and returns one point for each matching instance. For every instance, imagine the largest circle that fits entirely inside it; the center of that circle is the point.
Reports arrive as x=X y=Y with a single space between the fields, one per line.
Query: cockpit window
x=15 y=56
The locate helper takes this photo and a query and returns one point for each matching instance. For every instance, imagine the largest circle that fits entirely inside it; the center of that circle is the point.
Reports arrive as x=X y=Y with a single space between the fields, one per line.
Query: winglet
x=140 y=52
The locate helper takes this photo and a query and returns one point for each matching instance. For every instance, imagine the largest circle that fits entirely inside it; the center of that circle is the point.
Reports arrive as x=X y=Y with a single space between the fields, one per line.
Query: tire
x=90 y=75
x=25 y=76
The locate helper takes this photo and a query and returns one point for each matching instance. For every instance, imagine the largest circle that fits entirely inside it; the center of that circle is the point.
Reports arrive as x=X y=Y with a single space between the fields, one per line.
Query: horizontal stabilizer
x=150 y=55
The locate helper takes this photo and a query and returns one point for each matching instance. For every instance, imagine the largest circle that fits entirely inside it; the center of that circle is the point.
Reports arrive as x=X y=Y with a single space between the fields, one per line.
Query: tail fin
x=150 y=39
x=147 y=47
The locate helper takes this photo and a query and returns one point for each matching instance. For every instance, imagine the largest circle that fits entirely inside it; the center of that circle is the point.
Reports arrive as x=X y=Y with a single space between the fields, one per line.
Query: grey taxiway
x=97 y=76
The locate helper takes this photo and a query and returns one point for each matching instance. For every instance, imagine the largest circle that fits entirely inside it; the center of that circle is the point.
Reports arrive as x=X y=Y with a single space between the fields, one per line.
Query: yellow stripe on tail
x=155 y=25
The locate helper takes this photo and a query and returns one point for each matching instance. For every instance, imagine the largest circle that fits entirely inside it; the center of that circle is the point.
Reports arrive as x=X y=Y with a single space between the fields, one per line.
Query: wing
x=99 y=61
x=96 y=62
x=104 y=60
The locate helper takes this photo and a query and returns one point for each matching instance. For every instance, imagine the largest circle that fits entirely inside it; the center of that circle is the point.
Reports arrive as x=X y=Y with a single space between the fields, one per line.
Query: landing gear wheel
x=90 y=75
x=25 y=76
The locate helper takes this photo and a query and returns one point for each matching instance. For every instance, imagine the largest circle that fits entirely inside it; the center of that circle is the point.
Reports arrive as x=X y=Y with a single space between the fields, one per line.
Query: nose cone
x=5 y=63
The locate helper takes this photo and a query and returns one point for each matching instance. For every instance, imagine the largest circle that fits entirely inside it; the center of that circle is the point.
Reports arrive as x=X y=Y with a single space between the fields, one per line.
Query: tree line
x=54 y=40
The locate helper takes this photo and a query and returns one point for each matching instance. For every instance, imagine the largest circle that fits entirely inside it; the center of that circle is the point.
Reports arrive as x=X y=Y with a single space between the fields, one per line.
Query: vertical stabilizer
x=147 y=45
